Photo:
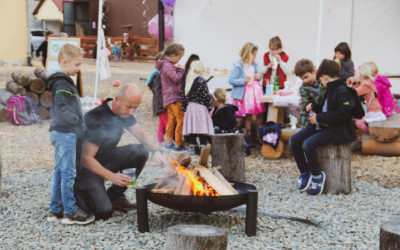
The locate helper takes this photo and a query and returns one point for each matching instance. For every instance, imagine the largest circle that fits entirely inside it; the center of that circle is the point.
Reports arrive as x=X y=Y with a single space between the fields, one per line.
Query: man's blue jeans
x=62 y=190
x=304 y=148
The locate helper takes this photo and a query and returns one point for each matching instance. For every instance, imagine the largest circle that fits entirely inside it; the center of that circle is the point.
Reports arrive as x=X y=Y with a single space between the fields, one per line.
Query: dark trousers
x=203 y=139
x=304 y=148
x=90 y=193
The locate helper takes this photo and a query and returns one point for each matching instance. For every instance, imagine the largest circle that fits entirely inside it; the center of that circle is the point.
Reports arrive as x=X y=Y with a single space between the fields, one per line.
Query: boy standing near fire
x=66 y=129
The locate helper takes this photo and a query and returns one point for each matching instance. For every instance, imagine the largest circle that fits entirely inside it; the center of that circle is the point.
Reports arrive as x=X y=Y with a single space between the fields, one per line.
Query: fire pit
x=247 y=194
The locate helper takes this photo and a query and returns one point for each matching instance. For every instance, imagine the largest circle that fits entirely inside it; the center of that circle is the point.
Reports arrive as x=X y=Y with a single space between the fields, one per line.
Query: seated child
x=310 y=91
x=334 y=116
x=223 y=116
x=343 y=58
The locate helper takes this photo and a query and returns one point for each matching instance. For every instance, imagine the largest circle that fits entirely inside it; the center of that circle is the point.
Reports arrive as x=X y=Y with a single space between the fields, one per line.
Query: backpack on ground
x=22 y=110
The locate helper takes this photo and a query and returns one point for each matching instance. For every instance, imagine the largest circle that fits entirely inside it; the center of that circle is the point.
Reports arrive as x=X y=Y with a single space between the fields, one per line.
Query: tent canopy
x=217 y=29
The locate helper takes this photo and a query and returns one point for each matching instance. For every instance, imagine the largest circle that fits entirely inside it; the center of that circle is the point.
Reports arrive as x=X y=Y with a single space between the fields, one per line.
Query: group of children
x=329 y=109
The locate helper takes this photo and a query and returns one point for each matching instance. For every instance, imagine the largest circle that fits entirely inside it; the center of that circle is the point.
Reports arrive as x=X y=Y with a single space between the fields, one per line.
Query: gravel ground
x=347 y=221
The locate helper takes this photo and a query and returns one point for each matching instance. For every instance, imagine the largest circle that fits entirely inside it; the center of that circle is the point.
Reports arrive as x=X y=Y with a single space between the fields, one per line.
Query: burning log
x=182 y=237
x=192 y=180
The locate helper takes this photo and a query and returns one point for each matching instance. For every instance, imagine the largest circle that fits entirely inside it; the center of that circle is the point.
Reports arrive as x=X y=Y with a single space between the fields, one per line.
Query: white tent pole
x=99 y=45
x=352 y=23
x=321 y=9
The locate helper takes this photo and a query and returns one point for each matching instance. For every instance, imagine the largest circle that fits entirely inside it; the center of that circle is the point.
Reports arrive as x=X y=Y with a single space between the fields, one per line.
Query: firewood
x=41 y=73
x=45 y=99
x=15 y=88
x=204 y=154
x=33 y=96
x=214 y=182
x=15 y=75
x=24 y=80
x=50 y=114
x=37 y=85
x=163 y=191
x=4 y=96
x=43 y=112
x=215 y=172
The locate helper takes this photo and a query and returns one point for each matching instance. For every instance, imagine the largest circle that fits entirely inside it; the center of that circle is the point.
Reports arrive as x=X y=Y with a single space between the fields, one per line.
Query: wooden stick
x=214 y=182
x=223 y=180
x=204 y=154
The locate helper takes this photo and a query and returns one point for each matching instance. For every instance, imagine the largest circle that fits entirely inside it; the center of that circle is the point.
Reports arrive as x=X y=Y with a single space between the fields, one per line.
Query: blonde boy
x=66 y=129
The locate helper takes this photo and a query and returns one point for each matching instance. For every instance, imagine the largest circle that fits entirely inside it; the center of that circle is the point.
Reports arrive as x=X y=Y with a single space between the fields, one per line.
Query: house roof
x=58 y=3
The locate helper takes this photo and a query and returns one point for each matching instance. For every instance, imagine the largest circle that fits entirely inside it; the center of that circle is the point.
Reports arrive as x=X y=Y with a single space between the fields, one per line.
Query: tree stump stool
x=227 y=151
x=270 y=153
x=196 y=237
x=0 y=173
x=387 y=130
x=390 y=236
x=335 y=161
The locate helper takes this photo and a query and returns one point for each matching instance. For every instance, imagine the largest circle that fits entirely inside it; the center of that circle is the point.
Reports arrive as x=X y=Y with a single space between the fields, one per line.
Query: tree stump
x=45 y=99
x=335 y=161
x=196 y=237
x=390 y=236
x=270 y=153
x=227 y=151
x=37 y=85
x=33 y=96
x=387 y=130
x=286 y=133
x=4 y=96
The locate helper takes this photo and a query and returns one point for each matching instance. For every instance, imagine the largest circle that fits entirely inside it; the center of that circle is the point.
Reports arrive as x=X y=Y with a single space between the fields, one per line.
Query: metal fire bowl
x=204 y=204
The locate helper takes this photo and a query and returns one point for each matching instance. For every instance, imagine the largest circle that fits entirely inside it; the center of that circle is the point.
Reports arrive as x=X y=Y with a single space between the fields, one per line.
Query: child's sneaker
x=317 y=184
x=80 y=218
x=55 y=216
x=304 y=181
x=180 y=148
x=169 y=146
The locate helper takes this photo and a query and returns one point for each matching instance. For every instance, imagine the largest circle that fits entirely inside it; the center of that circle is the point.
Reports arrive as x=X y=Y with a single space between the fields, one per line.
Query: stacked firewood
x=34 y=87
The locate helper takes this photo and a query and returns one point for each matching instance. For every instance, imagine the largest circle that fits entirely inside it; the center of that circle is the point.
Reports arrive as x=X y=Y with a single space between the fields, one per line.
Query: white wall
x=217 y=29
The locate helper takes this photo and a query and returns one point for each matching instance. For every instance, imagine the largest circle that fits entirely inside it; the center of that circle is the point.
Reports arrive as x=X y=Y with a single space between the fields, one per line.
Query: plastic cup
x=131 y=172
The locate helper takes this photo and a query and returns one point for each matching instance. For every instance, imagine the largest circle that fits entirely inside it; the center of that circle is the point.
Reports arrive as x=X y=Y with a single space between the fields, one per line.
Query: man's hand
x=313 y=118
x=119 y=179
x=159 y=158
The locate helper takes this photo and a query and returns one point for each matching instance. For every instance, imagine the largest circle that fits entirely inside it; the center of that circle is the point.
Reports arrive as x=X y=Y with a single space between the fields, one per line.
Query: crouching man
x=102 y=159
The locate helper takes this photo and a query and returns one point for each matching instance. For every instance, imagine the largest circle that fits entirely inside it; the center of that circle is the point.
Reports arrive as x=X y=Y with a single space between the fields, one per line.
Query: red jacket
x=282 y=76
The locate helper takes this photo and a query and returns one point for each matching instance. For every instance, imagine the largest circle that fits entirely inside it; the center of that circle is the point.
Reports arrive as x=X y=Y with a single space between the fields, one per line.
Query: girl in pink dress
x=247 y=91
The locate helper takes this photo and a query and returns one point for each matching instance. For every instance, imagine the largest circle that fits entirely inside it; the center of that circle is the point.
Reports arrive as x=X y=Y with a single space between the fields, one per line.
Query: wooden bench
x=144 y=48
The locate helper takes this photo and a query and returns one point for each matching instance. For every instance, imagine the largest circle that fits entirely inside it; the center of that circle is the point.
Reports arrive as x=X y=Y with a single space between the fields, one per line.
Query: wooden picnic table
x=275 y=114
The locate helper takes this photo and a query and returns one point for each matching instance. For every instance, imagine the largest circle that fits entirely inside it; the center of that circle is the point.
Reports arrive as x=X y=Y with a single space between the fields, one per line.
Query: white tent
x=217 y=29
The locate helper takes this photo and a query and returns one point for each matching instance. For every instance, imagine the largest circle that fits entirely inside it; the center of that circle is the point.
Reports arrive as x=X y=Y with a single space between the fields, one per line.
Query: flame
x=198 y=187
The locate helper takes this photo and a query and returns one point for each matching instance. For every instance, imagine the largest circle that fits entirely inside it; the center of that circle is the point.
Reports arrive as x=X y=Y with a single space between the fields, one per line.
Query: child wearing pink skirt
x=197 y=104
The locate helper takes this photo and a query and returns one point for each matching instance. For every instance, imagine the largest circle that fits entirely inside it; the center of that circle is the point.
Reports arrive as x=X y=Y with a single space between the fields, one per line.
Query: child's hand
x=257 y=77
x=309 y=107
x=278 y=57
x=313 y=118
x=337 y=60
x=41 y=58
x=247 y=79
x=180 y=66
x=270 y=65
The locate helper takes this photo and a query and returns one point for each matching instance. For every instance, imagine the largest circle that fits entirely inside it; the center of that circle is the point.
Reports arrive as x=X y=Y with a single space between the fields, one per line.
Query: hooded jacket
x=224 y=118
x=154 y=84
x=171 y=77
x=384 y=94
x=339 y=113
x=66 y=106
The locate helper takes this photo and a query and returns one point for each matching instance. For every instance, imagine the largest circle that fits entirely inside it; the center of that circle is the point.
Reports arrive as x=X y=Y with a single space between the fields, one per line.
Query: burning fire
x=197 y=186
